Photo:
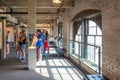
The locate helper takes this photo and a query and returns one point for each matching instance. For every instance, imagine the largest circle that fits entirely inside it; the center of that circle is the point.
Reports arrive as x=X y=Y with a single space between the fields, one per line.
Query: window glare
x=99 y=32
x=92 y=23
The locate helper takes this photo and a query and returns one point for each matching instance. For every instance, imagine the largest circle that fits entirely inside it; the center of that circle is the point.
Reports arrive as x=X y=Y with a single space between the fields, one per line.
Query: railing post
x=99 y=61
x=79 y=53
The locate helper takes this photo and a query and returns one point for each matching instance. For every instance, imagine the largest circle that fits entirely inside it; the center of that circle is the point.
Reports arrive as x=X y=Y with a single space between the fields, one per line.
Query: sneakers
x=43 y=55
x=39 y=62
x=22 y=59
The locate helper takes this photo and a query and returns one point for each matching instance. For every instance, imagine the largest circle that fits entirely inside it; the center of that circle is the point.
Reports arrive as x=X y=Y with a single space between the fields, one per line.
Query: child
x=46 y=45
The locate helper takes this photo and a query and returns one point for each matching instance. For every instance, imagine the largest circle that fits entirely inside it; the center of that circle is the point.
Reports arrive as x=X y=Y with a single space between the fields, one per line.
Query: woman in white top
x=8 y=42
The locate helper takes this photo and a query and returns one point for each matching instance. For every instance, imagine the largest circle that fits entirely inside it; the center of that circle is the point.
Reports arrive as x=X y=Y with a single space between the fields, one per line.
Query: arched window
x=87 y=41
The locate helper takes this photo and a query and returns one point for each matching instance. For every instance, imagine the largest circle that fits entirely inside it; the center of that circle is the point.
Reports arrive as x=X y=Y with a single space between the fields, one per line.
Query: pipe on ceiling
x=26 y=13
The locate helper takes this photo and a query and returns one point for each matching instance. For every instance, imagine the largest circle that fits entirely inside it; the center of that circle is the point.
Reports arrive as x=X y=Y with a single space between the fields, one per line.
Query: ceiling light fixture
x=56 y=1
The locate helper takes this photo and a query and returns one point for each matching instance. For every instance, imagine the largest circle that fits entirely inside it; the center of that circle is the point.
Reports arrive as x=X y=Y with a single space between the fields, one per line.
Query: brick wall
x=110 y=11
x=111 y=40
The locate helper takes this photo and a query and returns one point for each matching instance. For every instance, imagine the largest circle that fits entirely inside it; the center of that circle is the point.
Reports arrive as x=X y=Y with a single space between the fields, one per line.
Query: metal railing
x=86 y=52
x=59 y=42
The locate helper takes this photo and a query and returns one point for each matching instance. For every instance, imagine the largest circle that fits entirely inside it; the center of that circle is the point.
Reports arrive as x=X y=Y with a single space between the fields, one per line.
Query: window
x=87 y=41
x=59 y=39
x=74 y=45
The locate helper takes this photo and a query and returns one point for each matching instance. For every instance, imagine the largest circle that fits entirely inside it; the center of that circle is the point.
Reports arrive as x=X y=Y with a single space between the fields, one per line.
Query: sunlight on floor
x=52 y=50
x=59 y=69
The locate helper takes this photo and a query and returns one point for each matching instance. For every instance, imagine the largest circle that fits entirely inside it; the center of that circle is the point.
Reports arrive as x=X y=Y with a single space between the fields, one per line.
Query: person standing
x=43 y=47
x=39 y=45
x=46 y=46
x=46 y=35
x=22 y=42
x=18 y=49
x=8 y=42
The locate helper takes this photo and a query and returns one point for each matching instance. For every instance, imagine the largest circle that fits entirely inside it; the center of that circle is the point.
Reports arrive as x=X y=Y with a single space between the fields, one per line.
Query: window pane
x=78 y=38
x=96 y=55
x=80 y=47
x=76 y=48
x=71 y=48
x=92 y=28
x=92 y=31
x=90 y=52
x=99 y=32
x=90 y=40
x=92 y=23
x=99 y=40
x=79 y=30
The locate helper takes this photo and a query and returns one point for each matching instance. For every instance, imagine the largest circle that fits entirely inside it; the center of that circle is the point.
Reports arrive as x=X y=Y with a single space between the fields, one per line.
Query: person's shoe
x=38 y=62
x=48 y=52
x=44 y=55
x=22 y=60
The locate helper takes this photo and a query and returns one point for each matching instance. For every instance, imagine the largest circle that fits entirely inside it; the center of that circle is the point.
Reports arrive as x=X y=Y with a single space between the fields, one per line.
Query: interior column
x=3 y=54
x=31 y=31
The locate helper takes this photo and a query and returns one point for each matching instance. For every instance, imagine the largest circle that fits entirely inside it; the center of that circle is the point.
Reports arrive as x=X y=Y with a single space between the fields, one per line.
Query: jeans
x=43 y=50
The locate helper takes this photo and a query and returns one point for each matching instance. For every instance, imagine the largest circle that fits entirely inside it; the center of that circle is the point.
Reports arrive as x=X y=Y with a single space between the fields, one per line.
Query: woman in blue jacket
x=39 y=45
